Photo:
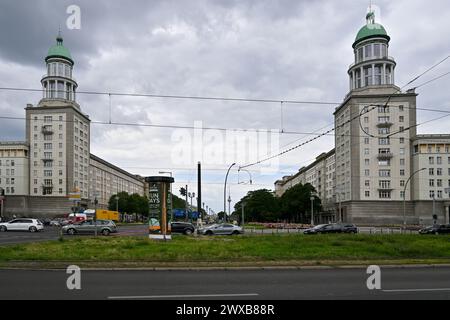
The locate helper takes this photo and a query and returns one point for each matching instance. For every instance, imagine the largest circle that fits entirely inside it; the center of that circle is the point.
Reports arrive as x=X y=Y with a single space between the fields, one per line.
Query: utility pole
x=242 y=220
x=186 y=203
x=95 y=214
x=229 y=204
x=312 y=210
x=199 y=190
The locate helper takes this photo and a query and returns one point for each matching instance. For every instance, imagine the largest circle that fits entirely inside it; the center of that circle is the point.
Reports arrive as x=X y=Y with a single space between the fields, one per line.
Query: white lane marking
x=187 y=296
x=417 y=290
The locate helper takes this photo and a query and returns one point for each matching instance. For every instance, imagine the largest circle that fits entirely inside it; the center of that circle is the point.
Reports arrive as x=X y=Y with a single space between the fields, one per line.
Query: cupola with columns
x=58 y=83
x=373 y=66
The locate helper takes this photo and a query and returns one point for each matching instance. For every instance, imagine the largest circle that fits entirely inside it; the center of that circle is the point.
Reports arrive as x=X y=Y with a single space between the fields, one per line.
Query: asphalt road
x=400 y=283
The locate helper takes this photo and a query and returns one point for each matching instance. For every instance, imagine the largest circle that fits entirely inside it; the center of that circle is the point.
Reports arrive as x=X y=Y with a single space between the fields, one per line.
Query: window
x=430 y=149
x=60 y=136
x=385 y=194
x=438 y=149
x=377 y=74
x=384 y=119
x=402 y=151
x=47 y=173
x=439 y=160
x=367 y=194
x=402 y=140
x=384 y=131
x=385 y=173
x=439 y=171
x=439 y=194
x=60 y=127
x=402 y=162
x=47 y=146
x=402 y=194
x=367 y=162
x=432 y=194
x=60 y=181
x=384 y=141
x=402 y=183
x=368 y=51
x=385 y=184
x=367 y=152
x=368 y=75
x=47 y=119
x=366 y=119
x=401 y=129
x=384 y=162
x=431 y=171
x=439 y=183
x=367 y=183
x=60 y=172
x=401 y=108
x=431 y=160
x=367 y=173
x=366 y=141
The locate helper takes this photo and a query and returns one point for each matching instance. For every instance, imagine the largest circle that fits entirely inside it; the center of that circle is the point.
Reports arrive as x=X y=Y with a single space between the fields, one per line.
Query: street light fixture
x=225 y=193
x=404 y=196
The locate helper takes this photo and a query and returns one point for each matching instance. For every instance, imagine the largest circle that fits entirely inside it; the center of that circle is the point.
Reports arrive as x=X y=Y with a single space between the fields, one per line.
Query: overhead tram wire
x=148 y=95
x=346 y=122
x=163 y=126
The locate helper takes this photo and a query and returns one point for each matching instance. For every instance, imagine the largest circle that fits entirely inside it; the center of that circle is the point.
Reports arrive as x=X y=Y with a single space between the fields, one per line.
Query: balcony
x=47 y=160
x=385 y=188
x=384 y=124
x=47 y=130
x=385 y=156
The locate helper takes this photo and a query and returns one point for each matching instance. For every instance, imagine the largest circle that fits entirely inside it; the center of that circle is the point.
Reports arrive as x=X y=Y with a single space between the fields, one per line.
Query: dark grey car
x=221 y=229
x=104 y=227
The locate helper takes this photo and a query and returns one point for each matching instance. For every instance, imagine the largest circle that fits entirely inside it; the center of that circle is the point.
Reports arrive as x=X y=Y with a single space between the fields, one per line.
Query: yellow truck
x=107 y=215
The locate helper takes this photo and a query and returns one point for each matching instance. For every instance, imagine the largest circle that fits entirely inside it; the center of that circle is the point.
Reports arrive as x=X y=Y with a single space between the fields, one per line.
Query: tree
x=221 y=215
x=123 y=202
x=296 y=203
x=260 y=206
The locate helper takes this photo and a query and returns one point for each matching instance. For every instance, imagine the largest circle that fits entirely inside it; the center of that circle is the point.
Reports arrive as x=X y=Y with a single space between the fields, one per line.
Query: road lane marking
x=417 y=290
x=186 y=296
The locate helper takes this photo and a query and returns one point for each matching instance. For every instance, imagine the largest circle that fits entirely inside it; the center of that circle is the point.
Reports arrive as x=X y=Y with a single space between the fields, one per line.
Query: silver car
x=104 y=227
x=221 y=229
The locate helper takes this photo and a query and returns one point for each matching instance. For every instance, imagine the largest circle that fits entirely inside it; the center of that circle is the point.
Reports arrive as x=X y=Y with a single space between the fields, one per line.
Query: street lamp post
x=312 y=208
x=225 y=193
x=242 y=220
x=404 y=195
x=171 y=199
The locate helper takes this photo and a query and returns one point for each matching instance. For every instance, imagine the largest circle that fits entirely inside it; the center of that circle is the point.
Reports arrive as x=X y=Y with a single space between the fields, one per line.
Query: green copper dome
x=59 y=51
x=371 y=30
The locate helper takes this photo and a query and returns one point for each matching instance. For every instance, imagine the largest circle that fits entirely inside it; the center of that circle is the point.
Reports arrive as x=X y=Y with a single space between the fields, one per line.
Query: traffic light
x=183 y=191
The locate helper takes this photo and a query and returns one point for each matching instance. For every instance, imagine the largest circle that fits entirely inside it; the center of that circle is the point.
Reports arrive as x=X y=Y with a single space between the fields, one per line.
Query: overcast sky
x=282 y=50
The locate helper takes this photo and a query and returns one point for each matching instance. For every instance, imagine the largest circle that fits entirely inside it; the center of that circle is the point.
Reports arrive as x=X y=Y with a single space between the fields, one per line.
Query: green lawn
x=270 y=249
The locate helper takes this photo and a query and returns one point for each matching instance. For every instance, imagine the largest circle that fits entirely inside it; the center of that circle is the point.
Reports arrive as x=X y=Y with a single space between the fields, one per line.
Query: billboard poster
x=159 y=202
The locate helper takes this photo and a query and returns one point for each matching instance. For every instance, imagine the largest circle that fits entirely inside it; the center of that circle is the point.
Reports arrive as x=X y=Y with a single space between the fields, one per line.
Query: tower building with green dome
x=58 y=133
x=373 y=161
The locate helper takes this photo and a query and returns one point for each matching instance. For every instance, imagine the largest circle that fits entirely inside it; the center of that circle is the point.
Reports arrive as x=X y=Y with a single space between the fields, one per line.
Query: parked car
x=182 y=227
x=104 y=227
x=436 y=229
x=55 y=223
x=22 y=224
x=332 y=228
x=221 y=229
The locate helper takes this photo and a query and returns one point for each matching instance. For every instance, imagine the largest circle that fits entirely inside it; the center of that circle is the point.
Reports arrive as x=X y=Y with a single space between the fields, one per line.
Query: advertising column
x=159 y=203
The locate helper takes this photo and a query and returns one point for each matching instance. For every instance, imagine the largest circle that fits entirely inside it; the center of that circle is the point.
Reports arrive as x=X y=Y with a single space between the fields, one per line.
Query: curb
x=262 y=268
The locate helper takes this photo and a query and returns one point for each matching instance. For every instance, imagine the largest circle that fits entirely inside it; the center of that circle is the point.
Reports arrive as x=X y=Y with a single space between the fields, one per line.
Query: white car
x=22 y=224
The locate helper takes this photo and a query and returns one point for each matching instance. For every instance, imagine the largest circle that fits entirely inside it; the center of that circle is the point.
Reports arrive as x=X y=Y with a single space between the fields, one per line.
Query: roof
x=59 y=51
x=319 y=158
x=371 y=30
x=106 y=163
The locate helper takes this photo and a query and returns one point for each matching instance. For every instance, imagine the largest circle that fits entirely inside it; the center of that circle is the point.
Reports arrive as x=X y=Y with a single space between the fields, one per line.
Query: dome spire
x=59 y=38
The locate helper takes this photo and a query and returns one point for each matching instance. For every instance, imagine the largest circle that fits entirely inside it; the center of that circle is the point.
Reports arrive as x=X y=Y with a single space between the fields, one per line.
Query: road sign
x=74 y=196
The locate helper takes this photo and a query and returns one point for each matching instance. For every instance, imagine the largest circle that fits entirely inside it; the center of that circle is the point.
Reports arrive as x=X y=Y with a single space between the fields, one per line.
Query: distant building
x=377 y=149
x=14 y=164
x=106 y=180
x=40 y=175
